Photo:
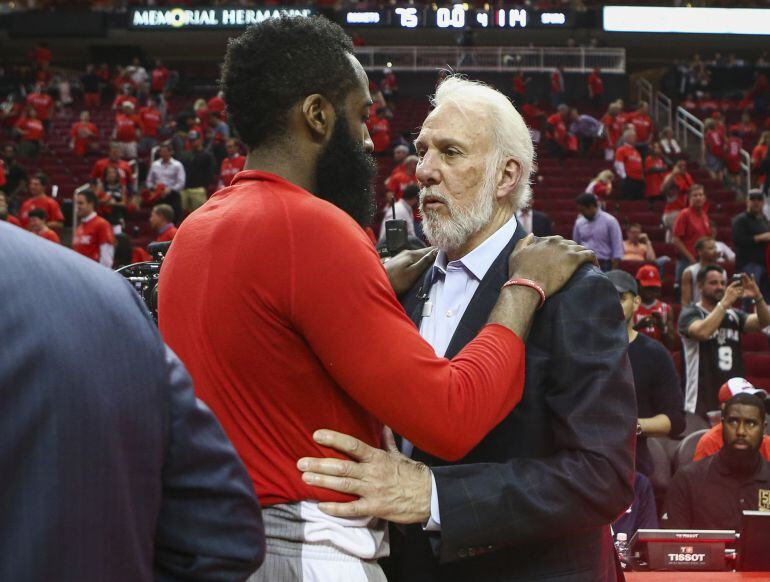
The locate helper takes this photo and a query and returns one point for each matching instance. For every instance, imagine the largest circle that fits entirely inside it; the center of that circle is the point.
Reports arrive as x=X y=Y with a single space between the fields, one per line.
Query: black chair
x=686 y=450
x=692 y=423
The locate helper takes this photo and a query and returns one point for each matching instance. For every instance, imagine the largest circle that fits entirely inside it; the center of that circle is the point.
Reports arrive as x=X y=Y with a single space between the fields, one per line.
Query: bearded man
x=277 y=302
x=535 y=498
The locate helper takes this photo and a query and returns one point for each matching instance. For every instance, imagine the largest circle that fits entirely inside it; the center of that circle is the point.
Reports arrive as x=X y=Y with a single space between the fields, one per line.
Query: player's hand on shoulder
x=549 y=261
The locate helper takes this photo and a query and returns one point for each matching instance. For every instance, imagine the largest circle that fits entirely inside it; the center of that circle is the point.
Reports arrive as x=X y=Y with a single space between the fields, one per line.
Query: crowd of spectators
x=162 y=155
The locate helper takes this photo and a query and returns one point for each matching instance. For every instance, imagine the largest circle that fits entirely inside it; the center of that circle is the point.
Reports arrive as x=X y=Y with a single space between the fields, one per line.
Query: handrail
x=499 y=59
x=686 y=124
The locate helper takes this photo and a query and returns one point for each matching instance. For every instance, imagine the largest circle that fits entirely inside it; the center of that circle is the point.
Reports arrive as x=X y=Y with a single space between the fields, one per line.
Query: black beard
x=740 y=462
x=344 y=172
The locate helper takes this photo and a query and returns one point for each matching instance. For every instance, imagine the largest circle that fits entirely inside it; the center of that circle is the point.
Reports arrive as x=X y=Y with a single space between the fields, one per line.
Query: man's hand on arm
x=389 y=485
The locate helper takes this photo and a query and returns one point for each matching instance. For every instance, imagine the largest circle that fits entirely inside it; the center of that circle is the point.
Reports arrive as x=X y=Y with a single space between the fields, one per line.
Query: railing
x=661 y=108
x=688 y=129
x=496 y=59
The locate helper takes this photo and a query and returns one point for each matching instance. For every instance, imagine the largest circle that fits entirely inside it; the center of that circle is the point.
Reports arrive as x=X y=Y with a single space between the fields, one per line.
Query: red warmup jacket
x=292 y=326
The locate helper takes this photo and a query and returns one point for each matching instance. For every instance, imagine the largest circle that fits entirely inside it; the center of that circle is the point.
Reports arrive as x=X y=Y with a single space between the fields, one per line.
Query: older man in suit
x=111 y=469
x=535 y=498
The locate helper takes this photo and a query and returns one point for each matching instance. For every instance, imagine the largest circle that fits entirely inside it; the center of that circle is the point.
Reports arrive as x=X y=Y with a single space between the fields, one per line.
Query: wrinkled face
x=742 y=428
x=458 y=181
x=83 y=206
x=697 y=199
x=36 y=187
x=713 y=287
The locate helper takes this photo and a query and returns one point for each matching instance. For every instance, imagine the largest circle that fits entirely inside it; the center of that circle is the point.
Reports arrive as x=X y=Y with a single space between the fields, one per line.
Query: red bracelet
x=528 y=283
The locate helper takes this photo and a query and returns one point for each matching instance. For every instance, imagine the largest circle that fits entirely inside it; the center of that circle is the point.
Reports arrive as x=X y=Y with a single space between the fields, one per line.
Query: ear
x=509 y=180
x=318 y=115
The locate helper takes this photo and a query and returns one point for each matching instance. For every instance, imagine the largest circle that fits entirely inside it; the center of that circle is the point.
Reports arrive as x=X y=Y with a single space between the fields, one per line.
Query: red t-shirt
x=90 y=235
x=83 y=133
x=712 y=441
x=595 y=84
x=683 y=183
x=284 y=338
x=397 y=181
x=757 y=155
x=659 y=307
x=42 y=103
x=631 y=159
x=733 y=154
x=49 y=235
x=126 y=127
x=690 y=225
x=167 y=235
x=643 y=126
x=230 y=167
x=557 y=82
x=559 y=132
x=45 y=202
x=124 y=170
x=121 y=99
x=158 y=79
x=518 y=85
x=653 y=180
x=613 y=129
x=715 y=144
x=31 y=129
x=379 y=128
x=150 y=120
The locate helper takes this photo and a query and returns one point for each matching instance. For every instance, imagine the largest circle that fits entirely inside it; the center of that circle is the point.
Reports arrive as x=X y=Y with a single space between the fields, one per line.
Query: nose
x=368 y=143
x=426 y=172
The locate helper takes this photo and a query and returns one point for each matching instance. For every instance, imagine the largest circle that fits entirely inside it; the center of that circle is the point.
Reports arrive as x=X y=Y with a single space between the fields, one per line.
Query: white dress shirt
x=454 y=284
x=171 y=174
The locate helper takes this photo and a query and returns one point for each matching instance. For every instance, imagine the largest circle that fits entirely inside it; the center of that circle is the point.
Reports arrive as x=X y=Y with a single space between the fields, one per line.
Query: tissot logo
x=687 y=557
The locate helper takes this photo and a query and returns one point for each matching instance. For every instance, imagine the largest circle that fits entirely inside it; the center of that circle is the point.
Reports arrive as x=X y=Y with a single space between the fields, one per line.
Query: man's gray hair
x=511 y=135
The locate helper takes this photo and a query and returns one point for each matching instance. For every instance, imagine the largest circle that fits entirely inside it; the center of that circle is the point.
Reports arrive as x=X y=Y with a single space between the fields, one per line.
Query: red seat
x=757 y=364
x=754 y=342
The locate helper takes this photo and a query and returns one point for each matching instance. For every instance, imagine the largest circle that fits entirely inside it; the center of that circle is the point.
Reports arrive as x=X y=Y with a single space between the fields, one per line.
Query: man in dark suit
x=534 y=499
x=111 y=469
x=534 y=221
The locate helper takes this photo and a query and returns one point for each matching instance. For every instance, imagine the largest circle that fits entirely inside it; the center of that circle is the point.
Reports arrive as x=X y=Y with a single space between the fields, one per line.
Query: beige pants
x=192 y=198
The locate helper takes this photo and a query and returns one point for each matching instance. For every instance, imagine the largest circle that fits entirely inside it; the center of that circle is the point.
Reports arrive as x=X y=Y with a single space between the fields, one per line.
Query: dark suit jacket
x=110 y=469
x=541 y=223
x=534 y=500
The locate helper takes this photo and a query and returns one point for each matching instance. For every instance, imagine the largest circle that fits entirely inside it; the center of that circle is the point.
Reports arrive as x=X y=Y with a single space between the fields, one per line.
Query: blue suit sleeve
x=588 y=480
x=209 y=524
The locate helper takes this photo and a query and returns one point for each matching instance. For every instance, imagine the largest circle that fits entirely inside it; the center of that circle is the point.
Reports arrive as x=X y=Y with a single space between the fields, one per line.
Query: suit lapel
x=477 y=313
